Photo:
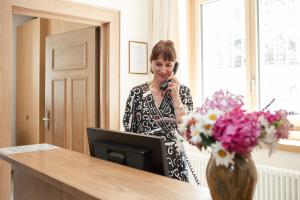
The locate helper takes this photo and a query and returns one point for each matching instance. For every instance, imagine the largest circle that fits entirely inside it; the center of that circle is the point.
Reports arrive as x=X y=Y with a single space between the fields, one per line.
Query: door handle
x=46 y=120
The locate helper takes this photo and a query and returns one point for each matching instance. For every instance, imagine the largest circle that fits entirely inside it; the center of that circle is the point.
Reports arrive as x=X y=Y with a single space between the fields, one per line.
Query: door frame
x=108 y=19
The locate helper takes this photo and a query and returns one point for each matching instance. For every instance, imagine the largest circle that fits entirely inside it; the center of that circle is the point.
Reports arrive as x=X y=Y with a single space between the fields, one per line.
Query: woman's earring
x=151 y=70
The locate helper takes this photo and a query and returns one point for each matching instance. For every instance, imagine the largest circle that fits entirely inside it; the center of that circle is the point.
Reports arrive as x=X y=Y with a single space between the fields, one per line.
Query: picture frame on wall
x=138 y=57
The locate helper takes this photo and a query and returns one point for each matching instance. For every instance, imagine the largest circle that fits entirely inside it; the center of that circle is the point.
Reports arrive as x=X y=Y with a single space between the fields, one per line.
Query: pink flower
x=284 y=125
x=271 y=118
x=279 y=120
x=221 y=101
x=237 y=131
x=283 y=130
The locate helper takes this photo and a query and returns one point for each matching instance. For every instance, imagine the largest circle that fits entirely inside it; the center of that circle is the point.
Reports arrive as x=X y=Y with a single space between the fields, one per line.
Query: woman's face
x=162 y=69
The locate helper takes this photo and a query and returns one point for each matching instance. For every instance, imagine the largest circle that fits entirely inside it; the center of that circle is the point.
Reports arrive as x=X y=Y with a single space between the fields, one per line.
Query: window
x=252 y=48
x=279 y=54
x=223 y=47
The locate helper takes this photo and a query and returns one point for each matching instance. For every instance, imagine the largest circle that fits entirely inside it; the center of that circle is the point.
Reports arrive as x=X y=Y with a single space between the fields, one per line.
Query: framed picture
x=138 y=57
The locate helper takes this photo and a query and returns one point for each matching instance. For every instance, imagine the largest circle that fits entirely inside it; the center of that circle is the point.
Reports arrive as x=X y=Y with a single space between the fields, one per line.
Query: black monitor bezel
x=154 y=143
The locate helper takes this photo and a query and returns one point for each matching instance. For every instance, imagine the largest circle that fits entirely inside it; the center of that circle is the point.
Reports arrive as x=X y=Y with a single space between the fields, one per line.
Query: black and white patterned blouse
x=142 y=116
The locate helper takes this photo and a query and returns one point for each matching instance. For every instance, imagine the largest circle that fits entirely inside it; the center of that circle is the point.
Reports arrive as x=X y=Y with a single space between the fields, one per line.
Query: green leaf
x=206 y=141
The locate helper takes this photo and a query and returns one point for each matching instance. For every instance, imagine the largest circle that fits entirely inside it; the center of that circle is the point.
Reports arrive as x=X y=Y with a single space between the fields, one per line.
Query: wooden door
x=71 y=96
x=30 y=81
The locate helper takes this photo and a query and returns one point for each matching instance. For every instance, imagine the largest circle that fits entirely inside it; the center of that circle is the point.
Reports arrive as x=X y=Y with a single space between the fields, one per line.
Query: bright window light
x=223 y=47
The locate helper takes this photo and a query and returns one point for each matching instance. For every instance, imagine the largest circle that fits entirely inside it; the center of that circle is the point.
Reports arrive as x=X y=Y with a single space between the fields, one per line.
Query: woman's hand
x=174 y=87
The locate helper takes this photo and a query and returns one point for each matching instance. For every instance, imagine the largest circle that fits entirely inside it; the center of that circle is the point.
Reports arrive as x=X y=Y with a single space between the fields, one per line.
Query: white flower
x=270 y=134
x=269 y=129
x=209 y=120
x=263 y=121
x=222 y=156
x=195 y=132
x=189 y=120
x=212 y=116
x=193 y=121
x=196 y=139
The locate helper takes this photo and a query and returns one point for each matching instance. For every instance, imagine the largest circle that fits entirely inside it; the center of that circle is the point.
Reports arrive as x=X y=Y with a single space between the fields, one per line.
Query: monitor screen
x=134 y=150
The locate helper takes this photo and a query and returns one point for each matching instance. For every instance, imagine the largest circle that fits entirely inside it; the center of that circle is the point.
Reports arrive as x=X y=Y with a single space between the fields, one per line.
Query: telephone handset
x=165 y=84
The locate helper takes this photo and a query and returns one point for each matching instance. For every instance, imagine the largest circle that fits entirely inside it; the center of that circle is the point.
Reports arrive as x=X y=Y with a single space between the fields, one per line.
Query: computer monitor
x=134 y=150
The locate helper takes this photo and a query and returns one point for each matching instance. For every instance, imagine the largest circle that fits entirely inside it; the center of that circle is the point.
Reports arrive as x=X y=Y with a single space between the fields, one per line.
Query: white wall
x=17 y=21
x=134 y=26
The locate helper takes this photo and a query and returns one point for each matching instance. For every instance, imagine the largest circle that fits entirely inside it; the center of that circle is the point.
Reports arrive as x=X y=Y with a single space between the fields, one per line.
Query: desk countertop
x=92 y=178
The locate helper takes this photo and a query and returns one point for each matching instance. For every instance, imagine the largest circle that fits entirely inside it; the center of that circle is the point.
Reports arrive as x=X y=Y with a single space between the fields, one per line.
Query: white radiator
x=272 y=183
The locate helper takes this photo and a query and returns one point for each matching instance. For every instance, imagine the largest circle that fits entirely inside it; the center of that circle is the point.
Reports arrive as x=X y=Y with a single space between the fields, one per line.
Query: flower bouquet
x=232 y=133
x=222 y=124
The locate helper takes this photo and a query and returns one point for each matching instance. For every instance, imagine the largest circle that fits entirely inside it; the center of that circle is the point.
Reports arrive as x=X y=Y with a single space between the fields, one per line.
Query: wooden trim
x=113 y=78
x=66 y=11
x=5 y=93
x=296 y=127
x=192 y=49
x=197 y=72
x=251 y=54
x=103 y=93
x=294 y=135
x=286 y=146
x=290 y=148
x=291 y=144
x=43 y=34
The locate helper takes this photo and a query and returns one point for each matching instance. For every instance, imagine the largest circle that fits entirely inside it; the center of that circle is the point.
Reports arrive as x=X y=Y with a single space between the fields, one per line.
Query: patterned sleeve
x=186 y=98
x=129 y=119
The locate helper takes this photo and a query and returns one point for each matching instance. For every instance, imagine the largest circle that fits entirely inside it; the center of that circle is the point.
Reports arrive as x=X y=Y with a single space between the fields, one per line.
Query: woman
x=151 y=110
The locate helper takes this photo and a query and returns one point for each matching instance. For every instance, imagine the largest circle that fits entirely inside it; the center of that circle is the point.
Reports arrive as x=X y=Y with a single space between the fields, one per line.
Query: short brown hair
x=166 y=49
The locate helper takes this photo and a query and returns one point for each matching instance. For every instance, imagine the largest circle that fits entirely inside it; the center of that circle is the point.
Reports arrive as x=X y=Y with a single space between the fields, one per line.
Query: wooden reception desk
x=62 y=174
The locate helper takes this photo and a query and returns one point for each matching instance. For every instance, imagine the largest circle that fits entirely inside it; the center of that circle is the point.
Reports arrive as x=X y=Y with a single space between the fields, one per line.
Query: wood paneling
x=71 y=57
x=58 y=114
x=58 y=26
x=104 y=81
x=43 y=34
x=28 y=88
x=30 y=82
x=78 y=117
x=113 y=78
x=24 y=182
